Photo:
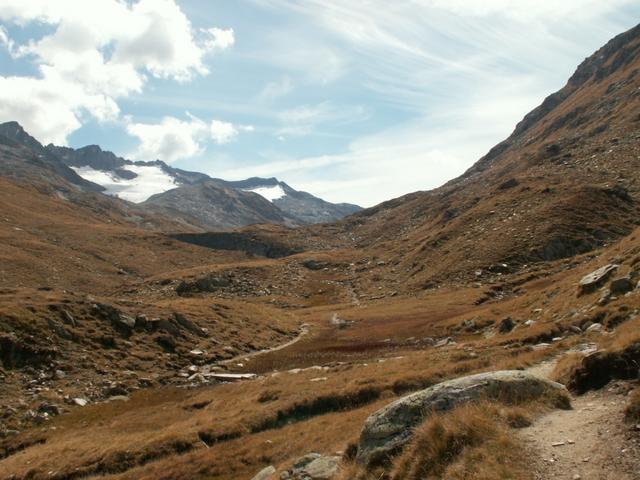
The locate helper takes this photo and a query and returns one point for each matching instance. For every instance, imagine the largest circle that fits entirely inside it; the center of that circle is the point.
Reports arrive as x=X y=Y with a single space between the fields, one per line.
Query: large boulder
x=591 y=282
x=386 y=431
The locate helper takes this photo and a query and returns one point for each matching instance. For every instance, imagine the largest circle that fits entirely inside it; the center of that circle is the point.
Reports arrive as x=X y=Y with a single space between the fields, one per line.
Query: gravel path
x=589 y=442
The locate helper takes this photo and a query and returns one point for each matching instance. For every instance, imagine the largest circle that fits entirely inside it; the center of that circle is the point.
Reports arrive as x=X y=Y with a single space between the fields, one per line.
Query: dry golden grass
x=566 y=367
x=232 y=431
x=472 y=442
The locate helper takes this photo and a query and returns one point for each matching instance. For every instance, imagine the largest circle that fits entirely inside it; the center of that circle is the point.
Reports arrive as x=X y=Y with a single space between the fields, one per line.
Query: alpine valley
x=162 y=324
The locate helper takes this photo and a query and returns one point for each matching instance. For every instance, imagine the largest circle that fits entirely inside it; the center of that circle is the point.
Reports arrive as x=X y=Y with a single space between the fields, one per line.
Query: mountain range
x=194 y=200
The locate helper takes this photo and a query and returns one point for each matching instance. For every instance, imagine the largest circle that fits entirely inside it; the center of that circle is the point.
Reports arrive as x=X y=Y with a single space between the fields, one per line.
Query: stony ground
x=589 y=442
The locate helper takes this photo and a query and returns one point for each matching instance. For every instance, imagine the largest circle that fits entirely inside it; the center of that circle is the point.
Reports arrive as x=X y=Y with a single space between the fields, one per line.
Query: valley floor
x=321 y=369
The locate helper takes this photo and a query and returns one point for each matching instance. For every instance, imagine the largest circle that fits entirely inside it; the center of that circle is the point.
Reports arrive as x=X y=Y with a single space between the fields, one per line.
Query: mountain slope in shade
x=34 y=161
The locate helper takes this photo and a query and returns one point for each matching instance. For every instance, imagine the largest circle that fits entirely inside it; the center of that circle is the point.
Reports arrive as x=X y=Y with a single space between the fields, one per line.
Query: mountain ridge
x=191 y=198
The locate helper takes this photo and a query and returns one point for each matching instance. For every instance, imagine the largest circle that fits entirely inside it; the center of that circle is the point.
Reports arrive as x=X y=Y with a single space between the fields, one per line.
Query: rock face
x=390 y=428
x=596 y=279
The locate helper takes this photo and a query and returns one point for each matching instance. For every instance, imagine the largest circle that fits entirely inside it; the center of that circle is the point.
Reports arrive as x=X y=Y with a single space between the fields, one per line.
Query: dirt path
x=304 y=330
x=589 y=442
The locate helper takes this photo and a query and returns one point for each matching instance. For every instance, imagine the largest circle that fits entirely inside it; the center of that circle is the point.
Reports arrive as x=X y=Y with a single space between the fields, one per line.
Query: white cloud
x=219 y=38
x=174 y=139
x=454 y=75
x=98 y=52
x=279 y=88
x=304 y=119
x=222 y=132
x=48 y=109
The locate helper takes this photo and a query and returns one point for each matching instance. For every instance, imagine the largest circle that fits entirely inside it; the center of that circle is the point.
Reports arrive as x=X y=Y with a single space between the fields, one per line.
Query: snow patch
x=149 y=181
x=270 y=193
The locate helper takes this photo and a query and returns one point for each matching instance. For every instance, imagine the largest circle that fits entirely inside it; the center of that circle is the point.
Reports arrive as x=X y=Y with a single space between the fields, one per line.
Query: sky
x=354 y=101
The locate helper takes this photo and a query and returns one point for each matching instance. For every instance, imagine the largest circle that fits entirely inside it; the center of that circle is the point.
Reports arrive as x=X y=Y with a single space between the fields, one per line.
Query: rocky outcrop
x=386 y=431
x=591 y=282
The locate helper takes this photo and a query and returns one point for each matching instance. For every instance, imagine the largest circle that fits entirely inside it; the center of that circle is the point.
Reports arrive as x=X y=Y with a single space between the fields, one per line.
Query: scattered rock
x=336 y=321
x=506 y=325
x=386 y=431
x=322 y=468
x=265 y=473
x=315 y=265
x=313 y=466
x=141 y=322
x=187 y=324
x=167 y=342
x=621 y=285
x=596 y=279
x=67 y=318
x=305 y=460
x=81 y=402
x=444 y=342
x=207 y=284
x=595 y=327
x=469 y=325
x=49 y=409
x=119 y=321
x=605 y=298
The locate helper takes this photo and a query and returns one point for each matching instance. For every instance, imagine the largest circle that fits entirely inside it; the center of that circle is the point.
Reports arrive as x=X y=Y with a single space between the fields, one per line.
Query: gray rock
x=312 y=466
x=596 y=279
x=187 y=324
x=49 y=409
x=141 y=321
x=323 y=468
x=621 y=285
x=306 y=460
x=166 y=325
x=506 y=325
x=126 y=321
x=120 y=321
x=386 y=431
x=605 y=298
x=444 y=342
x=595 y=327
x=265 y=473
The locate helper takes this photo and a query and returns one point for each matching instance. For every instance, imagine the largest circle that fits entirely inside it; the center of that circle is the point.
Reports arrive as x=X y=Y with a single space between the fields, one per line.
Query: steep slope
x=565 y=182
x=34 y=162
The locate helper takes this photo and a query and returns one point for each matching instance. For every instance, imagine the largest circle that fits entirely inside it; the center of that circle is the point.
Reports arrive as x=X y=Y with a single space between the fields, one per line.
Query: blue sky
x=357 y=101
